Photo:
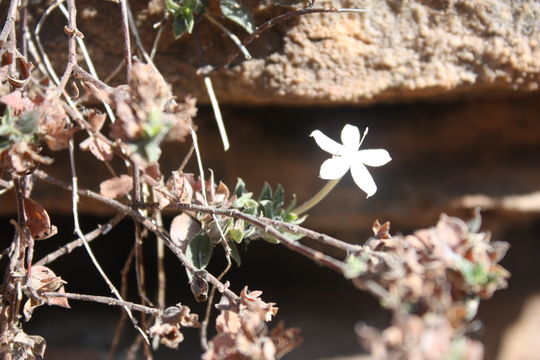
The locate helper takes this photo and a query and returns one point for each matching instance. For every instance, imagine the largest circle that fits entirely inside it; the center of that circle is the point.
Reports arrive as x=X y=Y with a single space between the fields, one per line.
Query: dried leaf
x=199 y=288
x=183 y=229
x=116 y=187
x=168 y=325
x=16 y=102
x=285 y=340
x=37 y=220
x=169 y=335
x=98 y=147
x=96 y=119
x=25 y=68
x=381 y=231
x=42 y=279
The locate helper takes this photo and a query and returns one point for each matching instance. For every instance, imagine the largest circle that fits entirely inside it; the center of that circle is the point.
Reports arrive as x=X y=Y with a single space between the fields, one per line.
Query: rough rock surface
x=401 y=50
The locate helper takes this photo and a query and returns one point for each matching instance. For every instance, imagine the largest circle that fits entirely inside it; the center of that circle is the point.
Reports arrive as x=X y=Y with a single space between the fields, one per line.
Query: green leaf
x=355 y=266
x=5 y=142
x=270 y=239
x=240 y=188
x=235 y=11
x=234 y=253
x=291 y=236
x=200 y=250
x=183 y=24
x=267 y=208
x=172 y=6
x=237 y=235
x=27 y=123
x=279 y=197
x=7 y=119
x=266 y=192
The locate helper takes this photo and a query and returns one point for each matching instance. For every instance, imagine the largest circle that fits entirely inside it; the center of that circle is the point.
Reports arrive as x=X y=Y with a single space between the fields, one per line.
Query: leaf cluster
x=187 y=12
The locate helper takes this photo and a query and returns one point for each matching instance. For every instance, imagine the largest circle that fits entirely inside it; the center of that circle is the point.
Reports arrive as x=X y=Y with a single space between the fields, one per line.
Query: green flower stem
x=317 y=197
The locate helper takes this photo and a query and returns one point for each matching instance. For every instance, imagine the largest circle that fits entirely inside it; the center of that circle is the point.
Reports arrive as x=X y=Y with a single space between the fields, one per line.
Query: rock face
x=399 y=51
x=403 y=49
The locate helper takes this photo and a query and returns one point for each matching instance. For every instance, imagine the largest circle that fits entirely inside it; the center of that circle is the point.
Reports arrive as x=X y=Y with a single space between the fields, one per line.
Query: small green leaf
x=27 y=123
x=355 y=266
x=5 y=142
x=234 y=253
x=152 y=150
x=291 y=236
x=182 y=24
x=266 y=192
x=237 y=235
x=7 y=119
x=235 y=11
x=270 y=239
x=279 y=197
x=200 y=250
x=267 y=208
x=290 y=217
x=172 y=6
x=240 y=188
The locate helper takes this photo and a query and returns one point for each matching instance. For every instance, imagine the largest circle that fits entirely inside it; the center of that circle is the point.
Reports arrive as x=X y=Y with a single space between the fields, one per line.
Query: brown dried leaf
x=228 y=322
x=199 y=288
x=183 y=229
x=96 y=119
x=116 y=187
x=285 y=340
x=169 y=335
x=7 y=58
x=381 y=231
x=42 y=279
x=25 y=68
x=27 y=347
x=98 y=147
x=17 y=83
x=179 y=185
x=37 y=220
x=17 y=102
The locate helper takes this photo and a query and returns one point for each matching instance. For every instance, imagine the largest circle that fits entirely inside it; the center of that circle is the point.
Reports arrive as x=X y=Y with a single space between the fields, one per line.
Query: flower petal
x=327 y=144
x=374 y=157
x=334 y=168
x=350 y=137
x=363 y=179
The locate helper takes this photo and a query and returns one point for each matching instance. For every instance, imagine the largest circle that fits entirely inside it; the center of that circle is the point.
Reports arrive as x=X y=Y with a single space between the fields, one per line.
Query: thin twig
x=288 y=15
x=107 y=301
x=146 y=223
x=211 y=94
x=69 y=247
x=78 y=231
x=72 y=45
x=91 y=79
x=8 y=185
x=231 y=36
x=156 y=42
x=186 y=158
x=266 y=227
x=90 y=64
x=23 y=27
x=217 y=112
x=127 y=41
x=136 y=36
x=116 y=71
x=123 y=291
x=10 y=19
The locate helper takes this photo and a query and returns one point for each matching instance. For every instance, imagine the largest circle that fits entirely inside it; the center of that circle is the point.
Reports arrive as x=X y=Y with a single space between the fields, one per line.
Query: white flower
x=349 y=156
